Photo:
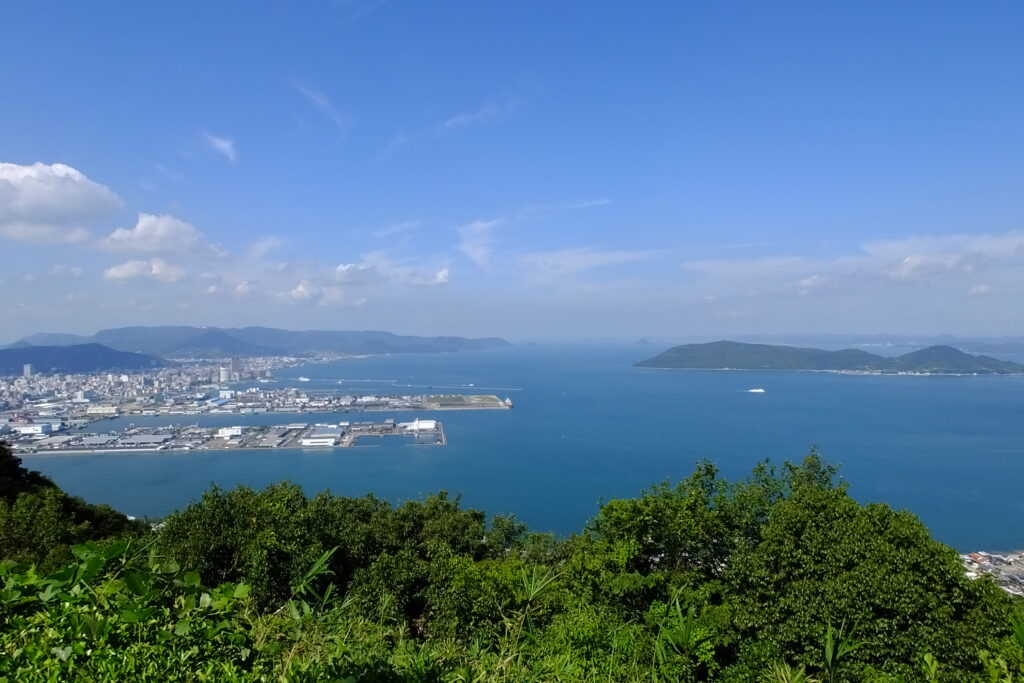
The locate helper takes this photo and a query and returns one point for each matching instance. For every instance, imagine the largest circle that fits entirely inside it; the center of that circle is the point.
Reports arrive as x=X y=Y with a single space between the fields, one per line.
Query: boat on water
x=756 y=390
x=302 y=379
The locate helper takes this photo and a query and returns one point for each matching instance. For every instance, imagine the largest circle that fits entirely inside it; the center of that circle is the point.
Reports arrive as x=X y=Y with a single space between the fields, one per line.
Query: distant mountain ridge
x=215 y=342
x=723 y=355
x=75 y=358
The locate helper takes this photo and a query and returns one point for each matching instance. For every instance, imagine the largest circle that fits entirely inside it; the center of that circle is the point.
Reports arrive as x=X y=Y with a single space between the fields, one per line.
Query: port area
x=296 y=401
x=1006 y=569
x=194 y=438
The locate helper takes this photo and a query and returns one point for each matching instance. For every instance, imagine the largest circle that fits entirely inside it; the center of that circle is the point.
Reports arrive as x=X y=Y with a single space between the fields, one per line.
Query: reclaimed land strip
x=203 y=439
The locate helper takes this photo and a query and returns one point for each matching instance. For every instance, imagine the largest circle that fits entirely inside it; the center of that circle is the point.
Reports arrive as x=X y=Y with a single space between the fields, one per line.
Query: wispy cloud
x=490 y=111
x=477 y=240
x=357 y=9
x=567 y=262
x=263 y=247
x=394 y=144
x=324 y=105
x=395 y=229
x=916 y=261
x=221 y=145
x=533 y=211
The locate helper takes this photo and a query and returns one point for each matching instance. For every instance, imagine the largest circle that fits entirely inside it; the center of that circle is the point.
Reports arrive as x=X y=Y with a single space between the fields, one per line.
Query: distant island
x=77 y=358
x=214 y=342
x=730 y=355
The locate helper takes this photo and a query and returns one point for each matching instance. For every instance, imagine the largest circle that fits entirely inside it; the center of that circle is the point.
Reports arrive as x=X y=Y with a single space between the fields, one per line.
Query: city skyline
x=525 y=171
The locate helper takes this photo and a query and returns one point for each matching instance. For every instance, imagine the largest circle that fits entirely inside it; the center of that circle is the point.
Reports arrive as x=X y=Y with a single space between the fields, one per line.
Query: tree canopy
x=781 y=576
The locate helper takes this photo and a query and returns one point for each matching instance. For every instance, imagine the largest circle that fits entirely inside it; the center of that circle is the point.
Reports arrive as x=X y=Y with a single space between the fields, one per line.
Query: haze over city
x=530 y=170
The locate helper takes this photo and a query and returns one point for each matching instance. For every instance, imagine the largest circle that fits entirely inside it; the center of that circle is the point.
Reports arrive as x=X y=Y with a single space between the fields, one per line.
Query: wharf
x=195 y=438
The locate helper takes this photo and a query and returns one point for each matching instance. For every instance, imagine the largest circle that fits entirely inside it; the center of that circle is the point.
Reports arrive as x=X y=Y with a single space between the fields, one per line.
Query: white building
x=34 y=429
x=418 y=426
x=229 y=432
x=107 y=410
x=323 y=436
x=27 y=370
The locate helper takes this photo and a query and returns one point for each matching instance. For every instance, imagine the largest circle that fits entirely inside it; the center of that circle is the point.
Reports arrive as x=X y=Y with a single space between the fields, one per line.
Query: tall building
x=225 y=375
x=27 y=370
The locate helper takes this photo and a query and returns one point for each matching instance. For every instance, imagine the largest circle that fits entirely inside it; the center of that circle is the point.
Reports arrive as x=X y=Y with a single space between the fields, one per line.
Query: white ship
x=302 y=379
x=757 y=390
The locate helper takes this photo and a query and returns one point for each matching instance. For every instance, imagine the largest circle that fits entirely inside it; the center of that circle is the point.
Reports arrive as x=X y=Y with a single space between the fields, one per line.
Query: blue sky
x=527 y=169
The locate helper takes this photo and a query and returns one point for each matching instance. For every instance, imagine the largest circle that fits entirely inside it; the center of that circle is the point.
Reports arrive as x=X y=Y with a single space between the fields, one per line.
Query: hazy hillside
x=212 y=342
x=76 y=358
x=740 y=356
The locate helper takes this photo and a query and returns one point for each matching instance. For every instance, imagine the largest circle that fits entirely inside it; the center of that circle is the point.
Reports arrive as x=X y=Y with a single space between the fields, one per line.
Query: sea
x=588 y=427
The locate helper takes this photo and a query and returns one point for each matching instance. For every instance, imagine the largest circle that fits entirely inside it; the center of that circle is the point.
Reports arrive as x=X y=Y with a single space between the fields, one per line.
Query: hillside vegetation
x=779 y=577
x=723 y=355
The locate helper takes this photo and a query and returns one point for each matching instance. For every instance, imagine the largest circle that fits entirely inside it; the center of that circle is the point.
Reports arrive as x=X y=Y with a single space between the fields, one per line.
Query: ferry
x=756 y=390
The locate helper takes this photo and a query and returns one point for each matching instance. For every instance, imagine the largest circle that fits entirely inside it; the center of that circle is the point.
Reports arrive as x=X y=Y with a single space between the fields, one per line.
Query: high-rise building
x=225 y=375
x=27 y=370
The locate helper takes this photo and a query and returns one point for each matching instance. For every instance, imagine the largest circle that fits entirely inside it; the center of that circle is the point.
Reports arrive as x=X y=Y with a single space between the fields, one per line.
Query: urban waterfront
x=588 y=426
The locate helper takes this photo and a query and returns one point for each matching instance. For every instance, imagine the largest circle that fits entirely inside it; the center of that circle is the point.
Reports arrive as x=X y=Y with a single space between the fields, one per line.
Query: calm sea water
x=587 y=426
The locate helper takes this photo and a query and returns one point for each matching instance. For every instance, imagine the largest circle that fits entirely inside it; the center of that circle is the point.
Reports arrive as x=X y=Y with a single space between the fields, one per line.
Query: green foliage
x=39 y=522
x=780 y=577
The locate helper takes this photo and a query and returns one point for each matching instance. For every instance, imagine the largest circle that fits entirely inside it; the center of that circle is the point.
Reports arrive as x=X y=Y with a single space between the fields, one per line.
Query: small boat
x=757 y=390
x=302 y=379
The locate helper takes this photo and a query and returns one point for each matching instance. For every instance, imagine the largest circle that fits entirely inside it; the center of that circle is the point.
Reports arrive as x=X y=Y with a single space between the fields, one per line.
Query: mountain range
x=72 y=359
x=722 y=355
x=215 y=342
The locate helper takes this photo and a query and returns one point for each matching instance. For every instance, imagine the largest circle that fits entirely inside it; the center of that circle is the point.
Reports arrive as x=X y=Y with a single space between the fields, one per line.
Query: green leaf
x=138 y=582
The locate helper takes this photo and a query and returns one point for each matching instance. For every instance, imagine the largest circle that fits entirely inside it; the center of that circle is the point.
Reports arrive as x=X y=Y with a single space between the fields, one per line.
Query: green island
x=779 y=577
x=730 y=355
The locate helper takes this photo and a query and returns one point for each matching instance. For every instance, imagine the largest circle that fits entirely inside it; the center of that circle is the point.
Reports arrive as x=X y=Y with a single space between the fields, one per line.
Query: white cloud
x=477 y=242
x=153 y=269
x=326 y=107
x=441 y=277
x=304 y=291
x=309 y=293
x=980 y=290
x=811 y=282
x=153 y=234
x=61 y=270
x=222 y=146
x=357 y=273
x=50 y=203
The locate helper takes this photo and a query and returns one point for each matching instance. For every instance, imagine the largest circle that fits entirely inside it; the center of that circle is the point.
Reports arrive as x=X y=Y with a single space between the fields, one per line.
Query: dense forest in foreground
x=779 y=577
